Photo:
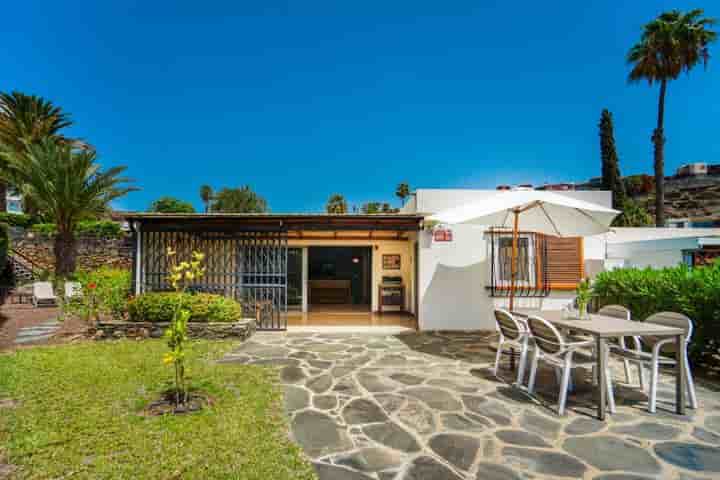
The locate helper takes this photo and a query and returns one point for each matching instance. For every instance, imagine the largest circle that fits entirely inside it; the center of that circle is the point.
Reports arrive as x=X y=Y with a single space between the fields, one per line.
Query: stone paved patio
x=425 y=406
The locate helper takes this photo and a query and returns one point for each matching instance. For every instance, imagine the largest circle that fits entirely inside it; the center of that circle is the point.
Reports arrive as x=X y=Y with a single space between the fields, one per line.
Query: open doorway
x=339 y=278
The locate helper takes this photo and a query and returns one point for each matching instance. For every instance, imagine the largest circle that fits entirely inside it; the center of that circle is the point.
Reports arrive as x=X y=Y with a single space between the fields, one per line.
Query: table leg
x=602 y=385
x=680 y=370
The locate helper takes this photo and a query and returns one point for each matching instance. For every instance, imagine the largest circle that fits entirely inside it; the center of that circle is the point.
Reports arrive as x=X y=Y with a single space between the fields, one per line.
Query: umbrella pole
x=514 y=259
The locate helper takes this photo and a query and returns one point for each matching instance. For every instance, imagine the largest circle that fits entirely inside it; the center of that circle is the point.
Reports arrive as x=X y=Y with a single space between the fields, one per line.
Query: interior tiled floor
x=334 y=316
x=425 y=406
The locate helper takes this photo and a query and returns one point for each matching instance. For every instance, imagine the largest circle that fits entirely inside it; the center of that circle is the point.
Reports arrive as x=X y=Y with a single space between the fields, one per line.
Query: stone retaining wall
x=108 y=330
x=93 y=252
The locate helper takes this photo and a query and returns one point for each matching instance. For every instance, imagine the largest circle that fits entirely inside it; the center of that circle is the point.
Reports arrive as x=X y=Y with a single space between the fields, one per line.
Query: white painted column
x=305 y=276
x=138 y=259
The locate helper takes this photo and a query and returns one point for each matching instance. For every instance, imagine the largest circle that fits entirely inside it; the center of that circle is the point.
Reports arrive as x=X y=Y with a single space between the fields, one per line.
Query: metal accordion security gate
x=250 y=267
x=262 y=266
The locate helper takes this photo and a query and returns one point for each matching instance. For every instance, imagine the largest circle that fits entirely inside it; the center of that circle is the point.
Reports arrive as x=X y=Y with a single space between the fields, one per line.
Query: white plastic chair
x=618 y=311
x=663 y=353
x=513 y=333
x=551 y=347
x=43 y=294
x=73 y=290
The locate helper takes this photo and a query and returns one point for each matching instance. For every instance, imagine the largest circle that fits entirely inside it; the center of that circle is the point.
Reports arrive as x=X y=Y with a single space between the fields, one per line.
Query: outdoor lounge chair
x=43 y=294
x=660 y=348
x=551 y=347
x=513 y=333
x=73 y=291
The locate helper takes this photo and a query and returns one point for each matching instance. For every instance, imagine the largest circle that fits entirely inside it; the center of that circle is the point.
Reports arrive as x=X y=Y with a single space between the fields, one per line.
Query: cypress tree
x=611 y=178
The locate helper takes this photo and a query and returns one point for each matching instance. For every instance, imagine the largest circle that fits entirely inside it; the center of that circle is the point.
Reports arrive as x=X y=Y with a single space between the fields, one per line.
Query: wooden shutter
x=565 y=262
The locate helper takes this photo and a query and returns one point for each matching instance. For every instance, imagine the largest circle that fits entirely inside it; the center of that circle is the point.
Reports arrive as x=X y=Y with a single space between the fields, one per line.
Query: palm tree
x=336 y=204
x=673 y=43
x=67 y=185
x=402 y=192
x=206 y=194
x=29 y=119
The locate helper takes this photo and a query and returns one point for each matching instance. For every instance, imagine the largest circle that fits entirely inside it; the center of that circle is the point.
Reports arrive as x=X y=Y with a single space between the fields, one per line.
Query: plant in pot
x=583 y=294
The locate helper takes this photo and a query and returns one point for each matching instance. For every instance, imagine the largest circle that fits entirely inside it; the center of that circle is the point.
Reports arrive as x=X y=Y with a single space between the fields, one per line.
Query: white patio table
x=601 y=328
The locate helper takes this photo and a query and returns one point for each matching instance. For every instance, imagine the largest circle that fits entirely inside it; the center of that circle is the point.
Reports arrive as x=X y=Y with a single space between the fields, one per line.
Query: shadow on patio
x=426 y=406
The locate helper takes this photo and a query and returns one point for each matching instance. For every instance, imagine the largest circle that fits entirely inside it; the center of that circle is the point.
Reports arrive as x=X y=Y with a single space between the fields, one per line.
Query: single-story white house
x=382 y=269
x=660 y=247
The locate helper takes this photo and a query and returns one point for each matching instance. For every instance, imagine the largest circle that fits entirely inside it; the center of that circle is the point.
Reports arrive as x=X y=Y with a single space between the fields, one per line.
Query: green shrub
x=104 y=291
x=17 y=219
x=694 y=292
x=102 y=228
x=96 y=228
x=47 y=229
x=204 y=307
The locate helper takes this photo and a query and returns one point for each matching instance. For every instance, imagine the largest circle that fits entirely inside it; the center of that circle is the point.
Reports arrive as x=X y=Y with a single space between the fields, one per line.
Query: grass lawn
x=77 y=415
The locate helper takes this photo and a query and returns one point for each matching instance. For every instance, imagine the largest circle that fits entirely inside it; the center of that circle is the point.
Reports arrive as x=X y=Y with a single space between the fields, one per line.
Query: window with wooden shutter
x=565 y=262
x=544 y=263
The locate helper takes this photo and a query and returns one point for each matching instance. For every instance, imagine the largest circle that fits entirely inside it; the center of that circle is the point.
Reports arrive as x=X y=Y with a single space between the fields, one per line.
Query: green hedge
x=97 y=228
x=694 y=292
x=17 y=219
x=204 y=307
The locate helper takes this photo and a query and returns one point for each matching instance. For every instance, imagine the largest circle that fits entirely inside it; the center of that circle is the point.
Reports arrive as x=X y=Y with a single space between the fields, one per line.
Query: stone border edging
x=242 y=330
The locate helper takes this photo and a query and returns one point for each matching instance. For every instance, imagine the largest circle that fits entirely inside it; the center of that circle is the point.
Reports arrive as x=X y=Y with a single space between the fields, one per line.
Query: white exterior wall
x=453 y=275
x=452 y=282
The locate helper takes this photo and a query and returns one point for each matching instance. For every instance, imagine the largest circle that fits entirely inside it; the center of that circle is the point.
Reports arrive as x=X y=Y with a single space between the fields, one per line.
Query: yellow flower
x=168 y=358
x=199 y=256
x=189 y=275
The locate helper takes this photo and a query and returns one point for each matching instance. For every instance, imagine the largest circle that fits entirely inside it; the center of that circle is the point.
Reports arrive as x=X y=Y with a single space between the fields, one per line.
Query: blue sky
x=304 y=99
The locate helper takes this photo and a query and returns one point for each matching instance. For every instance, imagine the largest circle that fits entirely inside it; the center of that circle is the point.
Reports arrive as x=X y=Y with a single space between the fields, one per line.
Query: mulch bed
x=166 y=405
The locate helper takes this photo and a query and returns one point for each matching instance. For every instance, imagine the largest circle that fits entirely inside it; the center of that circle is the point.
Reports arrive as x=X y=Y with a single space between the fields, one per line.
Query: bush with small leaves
x=694 y=292
x=203 y=307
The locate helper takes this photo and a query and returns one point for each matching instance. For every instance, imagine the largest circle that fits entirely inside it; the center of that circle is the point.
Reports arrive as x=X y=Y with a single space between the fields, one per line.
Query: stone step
x=32 y=330
x=35 y=338
x=51 y=323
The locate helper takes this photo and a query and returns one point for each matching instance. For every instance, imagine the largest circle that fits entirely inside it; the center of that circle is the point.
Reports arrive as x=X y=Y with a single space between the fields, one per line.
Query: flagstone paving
x=422 y=406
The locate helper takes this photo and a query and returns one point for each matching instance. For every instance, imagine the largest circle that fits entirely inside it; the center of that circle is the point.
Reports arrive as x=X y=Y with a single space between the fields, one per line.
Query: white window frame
x=503 y=281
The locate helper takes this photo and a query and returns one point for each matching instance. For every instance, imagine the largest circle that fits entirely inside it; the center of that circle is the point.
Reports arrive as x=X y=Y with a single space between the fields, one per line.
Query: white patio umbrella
x=535 y=211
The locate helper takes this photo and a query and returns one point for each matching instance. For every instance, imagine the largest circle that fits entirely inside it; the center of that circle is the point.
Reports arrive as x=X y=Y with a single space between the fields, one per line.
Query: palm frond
x=66 y=184
x=673 y=43
x=30 y=119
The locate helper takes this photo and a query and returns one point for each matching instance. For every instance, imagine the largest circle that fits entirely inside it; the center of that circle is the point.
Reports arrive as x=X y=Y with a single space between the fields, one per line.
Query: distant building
x=660 y=247
x=561 y=187
x=692 y=170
